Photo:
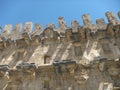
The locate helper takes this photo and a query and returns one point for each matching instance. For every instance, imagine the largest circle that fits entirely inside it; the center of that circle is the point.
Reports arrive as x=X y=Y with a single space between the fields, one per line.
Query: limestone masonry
x=64 y=58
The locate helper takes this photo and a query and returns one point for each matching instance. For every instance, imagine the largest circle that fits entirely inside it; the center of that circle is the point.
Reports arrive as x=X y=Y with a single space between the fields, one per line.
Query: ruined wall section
x=94 y=47
x=75 y=42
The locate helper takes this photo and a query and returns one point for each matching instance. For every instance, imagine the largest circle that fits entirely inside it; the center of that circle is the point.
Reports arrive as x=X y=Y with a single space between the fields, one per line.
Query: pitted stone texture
x=28 y=27
x=7 y=31
x=111 y=18
x=101 y=24
x=64 y=59
x=62 y=25
x=87 y=20
x=38 y=30
x=16 y=33
x=52 y=26
x=75 y=25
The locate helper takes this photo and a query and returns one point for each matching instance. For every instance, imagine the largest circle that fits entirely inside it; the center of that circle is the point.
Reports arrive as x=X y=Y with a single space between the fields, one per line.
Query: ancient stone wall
x=64 y=58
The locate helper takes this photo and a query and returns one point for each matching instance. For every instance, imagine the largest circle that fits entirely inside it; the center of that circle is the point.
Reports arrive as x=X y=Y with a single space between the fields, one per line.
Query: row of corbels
x=10 y=32
x=30 y=68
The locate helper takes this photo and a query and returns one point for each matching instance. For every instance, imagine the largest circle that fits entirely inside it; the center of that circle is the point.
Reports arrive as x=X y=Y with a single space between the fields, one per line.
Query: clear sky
x=48 y=11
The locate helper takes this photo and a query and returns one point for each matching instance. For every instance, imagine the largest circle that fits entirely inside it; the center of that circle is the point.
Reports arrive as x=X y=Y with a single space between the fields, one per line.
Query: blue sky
x=48 y=11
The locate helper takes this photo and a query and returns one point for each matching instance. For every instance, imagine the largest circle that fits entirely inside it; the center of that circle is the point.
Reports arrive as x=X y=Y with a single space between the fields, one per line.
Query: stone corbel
x=82 y=76
x=110 y=29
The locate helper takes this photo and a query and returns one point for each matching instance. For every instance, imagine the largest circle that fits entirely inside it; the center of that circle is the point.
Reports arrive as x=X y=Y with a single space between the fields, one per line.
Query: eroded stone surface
x=111 y=18
x=64 y=58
